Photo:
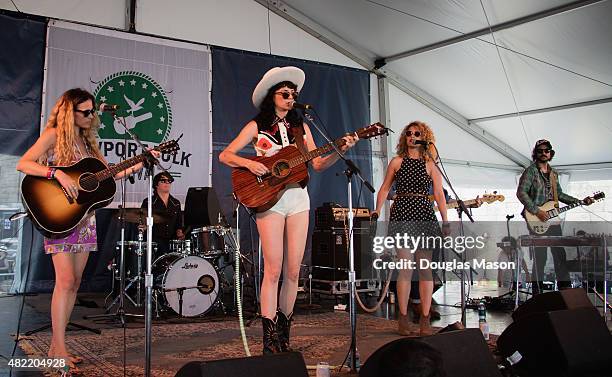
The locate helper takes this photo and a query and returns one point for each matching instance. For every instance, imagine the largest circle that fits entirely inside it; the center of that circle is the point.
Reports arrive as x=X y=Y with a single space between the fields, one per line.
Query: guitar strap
x=553 y=187
x=298 y=135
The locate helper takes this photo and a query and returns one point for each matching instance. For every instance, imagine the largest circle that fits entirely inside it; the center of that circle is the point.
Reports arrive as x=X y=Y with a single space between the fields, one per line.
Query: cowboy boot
x=425 y=326
x=283 y=327
x=270 y=336
x=403 y=325
x=415 y=309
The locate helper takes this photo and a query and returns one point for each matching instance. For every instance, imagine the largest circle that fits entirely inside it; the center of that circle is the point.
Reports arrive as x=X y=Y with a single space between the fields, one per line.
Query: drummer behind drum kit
x=187 y=280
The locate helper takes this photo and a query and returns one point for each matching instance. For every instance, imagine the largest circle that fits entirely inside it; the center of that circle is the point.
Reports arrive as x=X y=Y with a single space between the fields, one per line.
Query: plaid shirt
x=532 y=191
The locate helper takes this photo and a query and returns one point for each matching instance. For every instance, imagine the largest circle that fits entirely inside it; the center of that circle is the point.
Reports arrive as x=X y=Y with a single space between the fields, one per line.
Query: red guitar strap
x=298 y=135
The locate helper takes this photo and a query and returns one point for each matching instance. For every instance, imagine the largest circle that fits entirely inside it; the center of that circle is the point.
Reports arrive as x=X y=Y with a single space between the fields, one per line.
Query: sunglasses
x=415 y=133
x=166 y=180
x=86 y=113
x=542 y=151
x=286 y=95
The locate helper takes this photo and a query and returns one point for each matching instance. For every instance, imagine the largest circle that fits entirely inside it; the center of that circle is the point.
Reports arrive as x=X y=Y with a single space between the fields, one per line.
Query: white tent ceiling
x=442 y=63
x=542 y=61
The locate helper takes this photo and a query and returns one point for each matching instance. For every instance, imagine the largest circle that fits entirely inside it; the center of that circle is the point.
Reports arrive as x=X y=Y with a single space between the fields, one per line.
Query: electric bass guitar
x=538 y=226
x=55 y=213
x=260 y=193
x=486 y=198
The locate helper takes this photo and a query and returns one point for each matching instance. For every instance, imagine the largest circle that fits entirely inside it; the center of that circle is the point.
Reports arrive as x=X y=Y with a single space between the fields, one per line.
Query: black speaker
x=281 y=364
x=455 y=354
x=573 y=342
x=559 y=300
x=330 y=249
x=202 y=208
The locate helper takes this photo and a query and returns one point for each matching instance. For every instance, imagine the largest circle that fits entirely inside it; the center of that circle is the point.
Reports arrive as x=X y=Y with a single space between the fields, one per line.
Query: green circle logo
x=142 y=103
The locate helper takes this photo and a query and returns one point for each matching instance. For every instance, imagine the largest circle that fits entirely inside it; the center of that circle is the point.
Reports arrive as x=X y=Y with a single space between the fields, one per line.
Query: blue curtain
x=22 y=38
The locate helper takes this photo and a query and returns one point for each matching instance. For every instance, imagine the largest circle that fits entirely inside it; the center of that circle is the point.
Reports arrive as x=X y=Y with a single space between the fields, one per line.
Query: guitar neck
x=455 y=204
x=558 y=211
x=113 y=170
x=304 y=158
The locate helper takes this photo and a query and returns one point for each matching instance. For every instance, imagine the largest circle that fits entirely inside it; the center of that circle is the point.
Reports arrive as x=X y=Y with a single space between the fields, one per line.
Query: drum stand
x=120 y=314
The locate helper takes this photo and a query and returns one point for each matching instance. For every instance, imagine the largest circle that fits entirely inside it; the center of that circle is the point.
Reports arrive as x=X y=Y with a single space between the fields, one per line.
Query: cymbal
x=139 y=216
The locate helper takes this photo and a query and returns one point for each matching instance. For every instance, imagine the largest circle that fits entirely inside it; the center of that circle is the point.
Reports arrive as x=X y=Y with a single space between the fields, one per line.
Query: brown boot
x=403 y=325
x=425 y=326
x=415 y=308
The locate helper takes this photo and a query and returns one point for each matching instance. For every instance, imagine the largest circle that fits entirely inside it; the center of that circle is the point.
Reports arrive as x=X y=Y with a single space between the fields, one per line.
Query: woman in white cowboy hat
x=283 y=229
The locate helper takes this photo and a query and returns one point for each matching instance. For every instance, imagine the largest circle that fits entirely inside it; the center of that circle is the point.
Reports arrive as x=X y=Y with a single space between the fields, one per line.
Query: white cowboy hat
x=273 y=77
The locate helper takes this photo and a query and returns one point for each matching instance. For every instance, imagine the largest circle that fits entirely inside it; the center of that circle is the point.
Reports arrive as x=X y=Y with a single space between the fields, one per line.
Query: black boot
x=270 y=336
x=283 y=326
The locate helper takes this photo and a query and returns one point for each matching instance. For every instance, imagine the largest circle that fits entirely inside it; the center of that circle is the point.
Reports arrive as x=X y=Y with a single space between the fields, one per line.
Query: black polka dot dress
x=413 y=215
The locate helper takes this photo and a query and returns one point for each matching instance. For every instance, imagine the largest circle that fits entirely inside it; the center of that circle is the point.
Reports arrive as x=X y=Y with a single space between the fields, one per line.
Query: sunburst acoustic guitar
x=55 y=213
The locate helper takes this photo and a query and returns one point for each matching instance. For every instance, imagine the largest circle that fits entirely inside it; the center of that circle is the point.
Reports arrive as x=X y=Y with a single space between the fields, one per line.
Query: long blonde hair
x=426 y=135
x=62 y=119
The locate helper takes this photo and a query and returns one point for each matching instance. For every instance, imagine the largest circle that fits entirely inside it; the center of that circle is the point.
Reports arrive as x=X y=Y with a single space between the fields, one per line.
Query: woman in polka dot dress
x=412 y=213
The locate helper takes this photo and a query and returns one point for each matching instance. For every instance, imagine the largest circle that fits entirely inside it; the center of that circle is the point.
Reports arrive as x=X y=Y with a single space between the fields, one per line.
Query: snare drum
x=209 y=241
x=194 y=275
x=180 y=247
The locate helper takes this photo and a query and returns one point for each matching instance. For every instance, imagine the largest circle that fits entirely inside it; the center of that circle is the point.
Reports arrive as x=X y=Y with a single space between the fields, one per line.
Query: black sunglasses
x=286 y=95
x=415 y=133
x=86 y=113
x=542 y=151
x=165 y=180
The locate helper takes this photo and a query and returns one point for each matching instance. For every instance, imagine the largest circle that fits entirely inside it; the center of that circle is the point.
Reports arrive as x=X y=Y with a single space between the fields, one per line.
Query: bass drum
x=195 y=276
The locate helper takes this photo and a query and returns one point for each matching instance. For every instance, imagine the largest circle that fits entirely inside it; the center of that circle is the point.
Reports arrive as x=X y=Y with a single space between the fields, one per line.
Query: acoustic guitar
x=260 y=193
x=55 y=213
x=538 y=226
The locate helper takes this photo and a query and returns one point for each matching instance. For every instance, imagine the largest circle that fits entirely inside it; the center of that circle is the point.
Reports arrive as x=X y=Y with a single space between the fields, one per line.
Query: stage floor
x=320 y=335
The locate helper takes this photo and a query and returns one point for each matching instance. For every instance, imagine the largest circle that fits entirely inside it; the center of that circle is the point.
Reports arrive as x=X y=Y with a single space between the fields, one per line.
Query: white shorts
x=294 y=199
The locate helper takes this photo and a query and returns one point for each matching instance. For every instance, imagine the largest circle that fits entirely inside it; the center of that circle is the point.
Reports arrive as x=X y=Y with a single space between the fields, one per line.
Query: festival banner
x=162 y=89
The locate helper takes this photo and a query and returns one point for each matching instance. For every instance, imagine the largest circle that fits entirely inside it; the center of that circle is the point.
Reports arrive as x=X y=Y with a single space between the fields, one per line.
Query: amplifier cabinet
x=330 y=259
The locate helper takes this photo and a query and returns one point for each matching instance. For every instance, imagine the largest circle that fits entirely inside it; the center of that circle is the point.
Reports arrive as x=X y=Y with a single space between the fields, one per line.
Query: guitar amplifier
x=332 y=215
x=330 y=259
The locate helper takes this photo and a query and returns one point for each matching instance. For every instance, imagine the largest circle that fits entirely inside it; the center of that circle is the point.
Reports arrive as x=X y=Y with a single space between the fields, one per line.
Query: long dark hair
x=266 y=116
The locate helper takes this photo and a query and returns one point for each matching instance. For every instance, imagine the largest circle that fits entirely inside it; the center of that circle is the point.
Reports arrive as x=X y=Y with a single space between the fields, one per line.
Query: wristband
x=51 y=173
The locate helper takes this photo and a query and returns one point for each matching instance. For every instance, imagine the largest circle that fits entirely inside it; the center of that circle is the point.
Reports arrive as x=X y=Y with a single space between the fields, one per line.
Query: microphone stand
x=149 y=163
x=518 y=264
x=351 y=170
x=120 y=313
x=460 y=210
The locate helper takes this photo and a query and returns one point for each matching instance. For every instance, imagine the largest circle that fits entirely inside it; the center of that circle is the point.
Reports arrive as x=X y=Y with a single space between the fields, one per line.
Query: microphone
x=303 y=106
x=107 y=107
x=422 y=142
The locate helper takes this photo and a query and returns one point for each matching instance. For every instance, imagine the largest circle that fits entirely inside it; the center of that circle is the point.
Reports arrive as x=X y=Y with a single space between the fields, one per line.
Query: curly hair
x=62 y=119
x=267 y=115
x=426 y=135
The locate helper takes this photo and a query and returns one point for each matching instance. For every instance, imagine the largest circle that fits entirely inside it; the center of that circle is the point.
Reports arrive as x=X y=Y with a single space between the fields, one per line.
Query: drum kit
x=187 y=279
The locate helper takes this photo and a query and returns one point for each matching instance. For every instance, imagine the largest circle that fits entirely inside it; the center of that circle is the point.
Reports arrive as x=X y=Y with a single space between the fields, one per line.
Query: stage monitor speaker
x=281 y=364
x=573 y=342
x=202 y=208
x=457 y=353
x=550 y=301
